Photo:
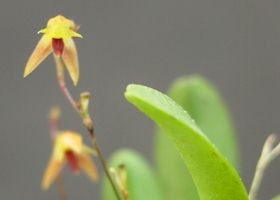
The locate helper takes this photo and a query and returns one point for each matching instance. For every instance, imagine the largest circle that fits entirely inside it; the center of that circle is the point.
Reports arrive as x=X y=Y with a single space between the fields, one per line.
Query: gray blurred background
x=234 y=43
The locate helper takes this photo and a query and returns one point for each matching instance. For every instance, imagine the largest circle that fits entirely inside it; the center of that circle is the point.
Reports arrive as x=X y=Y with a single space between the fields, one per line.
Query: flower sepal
x=69 y=149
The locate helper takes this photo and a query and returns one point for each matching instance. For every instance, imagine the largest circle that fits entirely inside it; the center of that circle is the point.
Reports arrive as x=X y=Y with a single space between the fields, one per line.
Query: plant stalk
x=54 y=118
x=87 y=121
x=269 y=153
x=60 y=188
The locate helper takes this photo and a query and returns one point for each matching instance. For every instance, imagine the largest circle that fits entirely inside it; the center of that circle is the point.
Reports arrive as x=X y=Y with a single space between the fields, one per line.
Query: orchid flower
x=57 y=38
x=69 y=149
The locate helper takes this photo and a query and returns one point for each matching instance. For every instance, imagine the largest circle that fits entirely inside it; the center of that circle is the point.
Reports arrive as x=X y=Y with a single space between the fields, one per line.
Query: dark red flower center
x=72 y=161
x=58 y=46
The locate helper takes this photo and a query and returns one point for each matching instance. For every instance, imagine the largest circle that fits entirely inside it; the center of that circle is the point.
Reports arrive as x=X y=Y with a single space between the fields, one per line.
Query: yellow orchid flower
x=57 y=38
x=69 y=149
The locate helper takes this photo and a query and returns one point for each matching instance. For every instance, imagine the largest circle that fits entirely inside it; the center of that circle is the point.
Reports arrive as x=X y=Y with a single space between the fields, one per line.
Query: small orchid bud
x=84 y=103
x=120 y=175
x=55 y=114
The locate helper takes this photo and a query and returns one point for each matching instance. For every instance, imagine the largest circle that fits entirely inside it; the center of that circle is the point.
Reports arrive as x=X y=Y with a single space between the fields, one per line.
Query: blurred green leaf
x=276 y=197
x=142 y=183
x=206 y=107
x=214 y=177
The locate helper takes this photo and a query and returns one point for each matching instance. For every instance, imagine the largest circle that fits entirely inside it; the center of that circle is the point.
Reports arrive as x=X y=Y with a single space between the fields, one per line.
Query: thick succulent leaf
x=174 y=178
x=213 y=176
x=206 y=107
x=141 y=180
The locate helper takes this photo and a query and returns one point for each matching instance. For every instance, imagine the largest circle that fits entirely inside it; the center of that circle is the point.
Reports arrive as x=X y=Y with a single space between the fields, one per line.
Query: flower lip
x=58 y=46
x=73 y=162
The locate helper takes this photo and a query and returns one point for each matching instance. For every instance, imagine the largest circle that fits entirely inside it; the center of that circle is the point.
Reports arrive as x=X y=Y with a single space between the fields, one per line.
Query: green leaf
x=206 y=107
x=276 y=197
x=174 y=178
x=214 y=177
x=141 y=181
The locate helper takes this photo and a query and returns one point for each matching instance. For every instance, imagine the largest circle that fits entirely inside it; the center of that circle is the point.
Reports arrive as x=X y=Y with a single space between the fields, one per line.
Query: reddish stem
x=87 y=122
x=54 y=122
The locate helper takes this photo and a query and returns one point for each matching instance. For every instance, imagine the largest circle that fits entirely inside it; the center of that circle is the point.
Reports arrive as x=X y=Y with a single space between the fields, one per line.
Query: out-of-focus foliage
x=205 y=106
x=141 y=180
x=213 y=176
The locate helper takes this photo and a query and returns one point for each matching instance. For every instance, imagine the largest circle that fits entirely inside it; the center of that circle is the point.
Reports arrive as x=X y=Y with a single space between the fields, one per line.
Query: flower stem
x=62 y=83
x=54 y=118
x=60 y=188
x=87 y=121
x=269 y=153
x=103 y=162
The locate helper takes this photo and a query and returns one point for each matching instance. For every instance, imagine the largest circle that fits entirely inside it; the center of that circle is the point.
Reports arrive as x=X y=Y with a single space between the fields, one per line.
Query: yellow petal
x=86 y=163
x=89 y=150
x=42 y=50
x=75 y=34
x=67 y=140
x=70 y=58
x=61 y=27
x=53 y=169
x=44 y=30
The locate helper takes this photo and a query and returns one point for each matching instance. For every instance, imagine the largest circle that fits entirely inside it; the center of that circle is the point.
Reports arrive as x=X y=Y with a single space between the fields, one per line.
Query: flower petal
x=70 y=58
x=75 y=34
x=51 y=172
x=89 y=150
x=88 y=166
x=42 y=50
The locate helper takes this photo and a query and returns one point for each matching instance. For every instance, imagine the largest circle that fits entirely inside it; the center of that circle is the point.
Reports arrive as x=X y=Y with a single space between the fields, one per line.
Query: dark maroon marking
x=72 y=161
x=58 y=46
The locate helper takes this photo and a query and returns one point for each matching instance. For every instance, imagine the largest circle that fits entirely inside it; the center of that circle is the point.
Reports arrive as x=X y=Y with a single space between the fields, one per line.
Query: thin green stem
x=102 y=161
x=87 y=121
